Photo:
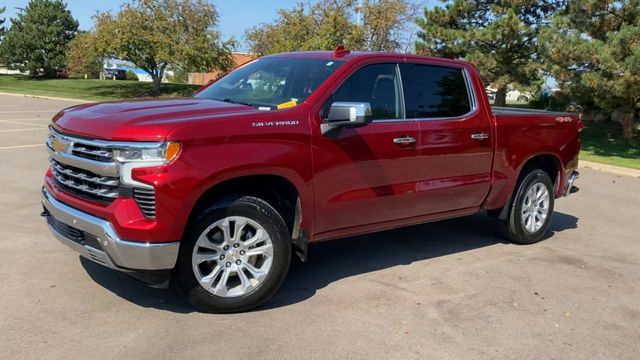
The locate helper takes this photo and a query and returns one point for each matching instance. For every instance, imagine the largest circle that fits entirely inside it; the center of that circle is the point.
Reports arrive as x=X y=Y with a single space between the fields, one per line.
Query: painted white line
x=22 y=123
x=13 y=130
x=19 y=146
x=26 y=111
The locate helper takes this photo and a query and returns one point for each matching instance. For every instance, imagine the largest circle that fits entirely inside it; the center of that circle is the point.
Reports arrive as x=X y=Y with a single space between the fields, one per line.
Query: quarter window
x=378 y=85
x=437 y=92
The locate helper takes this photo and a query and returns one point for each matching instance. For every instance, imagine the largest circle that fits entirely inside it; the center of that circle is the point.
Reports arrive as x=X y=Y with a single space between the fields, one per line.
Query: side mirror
x=349 y=114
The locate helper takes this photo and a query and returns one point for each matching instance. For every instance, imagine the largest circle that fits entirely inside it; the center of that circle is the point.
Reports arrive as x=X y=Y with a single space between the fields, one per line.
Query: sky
x=236 y=16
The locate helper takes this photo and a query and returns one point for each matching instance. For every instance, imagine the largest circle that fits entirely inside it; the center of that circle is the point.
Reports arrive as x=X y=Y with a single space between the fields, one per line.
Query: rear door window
x=436 y=92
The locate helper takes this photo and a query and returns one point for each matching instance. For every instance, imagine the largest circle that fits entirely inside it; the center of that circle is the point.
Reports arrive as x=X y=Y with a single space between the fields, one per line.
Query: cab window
x=378 y=85
x=436 y=92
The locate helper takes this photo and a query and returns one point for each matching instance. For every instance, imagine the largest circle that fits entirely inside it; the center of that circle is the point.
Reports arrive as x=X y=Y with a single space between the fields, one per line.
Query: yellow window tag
x=288 y=104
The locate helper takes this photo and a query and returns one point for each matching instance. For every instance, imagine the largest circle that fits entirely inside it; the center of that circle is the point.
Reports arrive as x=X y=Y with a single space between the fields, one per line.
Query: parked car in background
x=515 y=95
x=115 y=74
x=219 y=191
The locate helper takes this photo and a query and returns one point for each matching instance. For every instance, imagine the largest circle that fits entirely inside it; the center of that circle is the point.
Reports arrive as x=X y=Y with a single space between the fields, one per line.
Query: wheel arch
x=547 y=162
x=277 y=190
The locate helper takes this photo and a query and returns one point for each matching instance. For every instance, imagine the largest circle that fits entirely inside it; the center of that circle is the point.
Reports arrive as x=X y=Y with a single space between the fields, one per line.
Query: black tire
x=512 y=227
x=252 y=208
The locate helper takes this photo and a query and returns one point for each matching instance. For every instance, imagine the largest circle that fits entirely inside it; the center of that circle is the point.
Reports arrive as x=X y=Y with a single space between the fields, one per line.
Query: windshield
x=272 y=83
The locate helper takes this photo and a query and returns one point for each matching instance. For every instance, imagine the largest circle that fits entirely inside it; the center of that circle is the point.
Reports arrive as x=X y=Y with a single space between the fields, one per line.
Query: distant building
x=239 y=59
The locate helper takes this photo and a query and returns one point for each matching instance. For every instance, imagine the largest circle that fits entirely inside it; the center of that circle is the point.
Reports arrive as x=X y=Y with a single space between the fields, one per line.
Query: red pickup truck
x=218 y=191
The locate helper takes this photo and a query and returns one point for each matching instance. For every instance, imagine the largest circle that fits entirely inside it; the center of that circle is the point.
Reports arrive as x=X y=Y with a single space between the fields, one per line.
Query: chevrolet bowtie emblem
x=59 y=145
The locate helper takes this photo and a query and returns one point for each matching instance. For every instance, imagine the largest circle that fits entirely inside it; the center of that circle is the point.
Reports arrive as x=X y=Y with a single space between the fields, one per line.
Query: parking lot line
x=19 y=146
x=23 y=123
x=26 y=111
x=12 y=130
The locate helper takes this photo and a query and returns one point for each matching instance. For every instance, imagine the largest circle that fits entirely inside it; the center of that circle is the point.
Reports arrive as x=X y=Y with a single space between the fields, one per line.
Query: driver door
x=366 y=176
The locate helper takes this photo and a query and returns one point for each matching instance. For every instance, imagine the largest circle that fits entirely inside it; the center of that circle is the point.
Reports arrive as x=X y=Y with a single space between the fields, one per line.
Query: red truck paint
x=374 y=185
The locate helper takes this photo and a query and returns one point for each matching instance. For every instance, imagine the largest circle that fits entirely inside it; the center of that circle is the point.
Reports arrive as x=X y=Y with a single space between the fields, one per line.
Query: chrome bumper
x=105 y=246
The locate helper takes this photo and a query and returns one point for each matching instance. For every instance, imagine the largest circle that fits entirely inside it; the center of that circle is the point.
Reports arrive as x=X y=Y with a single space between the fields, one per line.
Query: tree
x=593 y=50
x=38 y=37
x=385 y=23
x=328 y=23
x=498 y=36
x=155 y=34
x=2 y=9
x=82 y=56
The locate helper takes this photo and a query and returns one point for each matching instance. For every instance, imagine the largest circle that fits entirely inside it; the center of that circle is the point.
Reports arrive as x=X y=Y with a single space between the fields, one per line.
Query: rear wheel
x=531 y=209
x=235 y=256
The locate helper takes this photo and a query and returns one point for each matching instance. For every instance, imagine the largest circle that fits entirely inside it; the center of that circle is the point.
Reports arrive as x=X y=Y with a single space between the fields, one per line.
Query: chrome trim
x=480 y=136
x=572 y=178
x=405 y=140
x=97 y=167
x=116 y=253
x=107 y=143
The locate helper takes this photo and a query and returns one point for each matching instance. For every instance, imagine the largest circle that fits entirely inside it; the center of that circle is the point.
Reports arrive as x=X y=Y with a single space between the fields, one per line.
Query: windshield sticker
x=276 y=123
x=288 y=104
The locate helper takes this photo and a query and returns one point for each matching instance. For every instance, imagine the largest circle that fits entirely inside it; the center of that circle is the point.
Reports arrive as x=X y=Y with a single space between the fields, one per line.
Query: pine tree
x=38 y=37
x=593 y=50
x=499 y=37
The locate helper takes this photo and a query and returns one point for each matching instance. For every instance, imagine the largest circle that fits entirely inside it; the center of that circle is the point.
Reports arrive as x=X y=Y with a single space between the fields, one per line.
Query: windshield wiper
x=231 y=101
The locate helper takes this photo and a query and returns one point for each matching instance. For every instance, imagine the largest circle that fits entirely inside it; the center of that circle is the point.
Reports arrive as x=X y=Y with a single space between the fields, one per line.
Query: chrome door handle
x=480 y=136
x=405 y=140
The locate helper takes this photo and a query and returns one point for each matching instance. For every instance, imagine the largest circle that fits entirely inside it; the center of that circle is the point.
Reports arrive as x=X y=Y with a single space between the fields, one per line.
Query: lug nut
x=226 y=247
x=228 y=264
x=236 y=245
x=238 y=262
x=221 y=257
x=242 y=252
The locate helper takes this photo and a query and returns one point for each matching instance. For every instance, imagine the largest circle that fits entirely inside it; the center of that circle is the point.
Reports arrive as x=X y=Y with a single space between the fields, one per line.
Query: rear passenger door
x=455 y=137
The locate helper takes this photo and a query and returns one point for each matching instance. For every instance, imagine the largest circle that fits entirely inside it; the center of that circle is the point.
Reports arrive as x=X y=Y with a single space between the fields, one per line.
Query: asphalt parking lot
x=445 y=290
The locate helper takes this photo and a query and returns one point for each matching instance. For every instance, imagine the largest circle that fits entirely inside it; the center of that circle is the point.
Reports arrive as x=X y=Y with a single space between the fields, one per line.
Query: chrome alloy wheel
x=232 y=256
x=535 y=207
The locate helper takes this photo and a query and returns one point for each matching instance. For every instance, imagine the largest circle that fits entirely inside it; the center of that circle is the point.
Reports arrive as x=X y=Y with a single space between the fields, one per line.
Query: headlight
x=164 y=153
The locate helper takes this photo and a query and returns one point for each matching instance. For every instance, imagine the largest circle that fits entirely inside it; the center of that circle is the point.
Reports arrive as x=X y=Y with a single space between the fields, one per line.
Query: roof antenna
x=340 y=51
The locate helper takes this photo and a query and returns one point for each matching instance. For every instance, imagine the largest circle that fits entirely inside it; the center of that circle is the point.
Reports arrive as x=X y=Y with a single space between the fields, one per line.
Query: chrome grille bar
x=84 y=182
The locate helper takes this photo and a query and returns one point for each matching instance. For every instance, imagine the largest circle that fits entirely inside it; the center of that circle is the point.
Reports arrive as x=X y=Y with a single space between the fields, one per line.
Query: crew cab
x=218 y=191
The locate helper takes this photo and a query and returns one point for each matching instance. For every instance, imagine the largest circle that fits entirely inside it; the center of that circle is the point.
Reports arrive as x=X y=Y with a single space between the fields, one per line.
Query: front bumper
x=96 y=240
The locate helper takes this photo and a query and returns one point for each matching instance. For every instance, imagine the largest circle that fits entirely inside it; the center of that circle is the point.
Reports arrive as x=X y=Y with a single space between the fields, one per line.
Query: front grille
x=146 y=199
x=85 y=183
x=92 y=152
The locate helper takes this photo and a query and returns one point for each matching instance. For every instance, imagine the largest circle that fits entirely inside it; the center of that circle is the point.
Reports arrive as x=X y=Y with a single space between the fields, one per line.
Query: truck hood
x=145 y=120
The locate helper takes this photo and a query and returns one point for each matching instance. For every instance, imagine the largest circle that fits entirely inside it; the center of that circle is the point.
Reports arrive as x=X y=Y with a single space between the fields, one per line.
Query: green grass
x=603 y=143
x=89 y=89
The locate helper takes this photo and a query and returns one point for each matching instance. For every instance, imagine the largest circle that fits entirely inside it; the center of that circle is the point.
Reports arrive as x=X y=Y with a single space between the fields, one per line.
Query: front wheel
x=531 y=209
x=234 y=257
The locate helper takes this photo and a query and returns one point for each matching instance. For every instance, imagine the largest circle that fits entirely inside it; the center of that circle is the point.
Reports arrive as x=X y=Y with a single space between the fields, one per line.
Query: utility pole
x=359 y=14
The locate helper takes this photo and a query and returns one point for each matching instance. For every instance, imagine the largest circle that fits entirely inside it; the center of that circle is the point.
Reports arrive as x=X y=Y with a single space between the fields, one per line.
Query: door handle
x=480 y=136
x=404 y=140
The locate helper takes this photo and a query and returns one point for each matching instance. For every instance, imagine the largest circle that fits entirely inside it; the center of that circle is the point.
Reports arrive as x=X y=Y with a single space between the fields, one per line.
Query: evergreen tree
x=38 y=37
x=498 y=36
x=593 y=50
x=2 y=9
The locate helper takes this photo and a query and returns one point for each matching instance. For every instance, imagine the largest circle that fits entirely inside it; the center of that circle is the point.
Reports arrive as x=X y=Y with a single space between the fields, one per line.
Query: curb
x=48 y=97
x=617 y=170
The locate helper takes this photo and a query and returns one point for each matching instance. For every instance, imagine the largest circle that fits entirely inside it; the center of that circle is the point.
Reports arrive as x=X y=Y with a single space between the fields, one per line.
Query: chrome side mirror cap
x=346 y=114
